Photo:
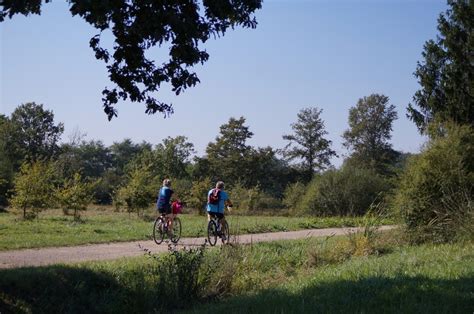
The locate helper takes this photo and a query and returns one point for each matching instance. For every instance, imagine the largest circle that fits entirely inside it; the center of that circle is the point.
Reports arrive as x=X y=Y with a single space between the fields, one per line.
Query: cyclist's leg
x=220 y=219
x=161 y=211
x=210 y=215
x=223 y=226
x=170 y=218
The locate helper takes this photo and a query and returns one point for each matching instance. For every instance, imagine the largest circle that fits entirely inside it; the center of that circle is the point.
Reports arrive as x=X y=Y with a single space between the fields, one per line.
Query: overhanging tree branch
x=139 y=25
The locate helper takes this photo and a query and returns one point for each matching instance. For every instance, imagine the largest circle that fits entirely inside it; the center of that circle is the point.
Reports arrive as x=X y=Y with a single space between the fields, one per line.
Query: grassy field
x=52 y=228
x=426 y=279
x=301 y=276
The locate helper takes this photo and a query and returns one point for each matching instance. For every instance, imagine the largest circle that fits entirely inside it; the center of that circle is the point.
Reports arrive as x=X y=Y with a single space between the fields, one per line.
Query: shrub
x=347 y=191
x=292 y=196
x=198 y=195
x=268 y=202
x=138 y=192
x=228 y=261
x=242 y=198
x=238 y=195
x=435 y=193
x=252 y=200
x=33 y=188
x=74 y=195
x=182 y=277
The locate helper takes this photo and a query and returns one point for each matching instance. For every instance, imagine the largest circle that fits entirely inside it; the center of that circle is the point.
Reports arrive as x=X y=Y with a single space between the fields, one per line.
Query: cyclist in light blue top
x=217 y=200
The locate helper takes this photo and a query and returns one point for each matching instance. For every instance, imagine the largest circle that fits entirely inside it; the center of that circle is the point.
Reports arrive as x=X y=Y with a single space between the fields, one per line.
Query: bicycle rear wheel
x=212 y=233
x=158 y=232
x=176 y=230
x=225 y=236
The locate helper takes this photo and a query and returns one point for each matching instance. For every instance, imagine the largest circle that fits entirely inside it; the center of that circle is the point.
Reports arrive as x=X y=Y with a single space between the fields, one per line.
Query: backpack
x=176 y=207
x=214 y=197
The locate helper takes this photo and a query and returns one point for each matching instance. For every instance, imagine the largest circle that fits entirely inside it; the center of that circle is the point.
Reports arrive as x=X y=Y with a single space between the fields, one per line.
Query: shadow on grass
x=62 y=289
x=369 y=295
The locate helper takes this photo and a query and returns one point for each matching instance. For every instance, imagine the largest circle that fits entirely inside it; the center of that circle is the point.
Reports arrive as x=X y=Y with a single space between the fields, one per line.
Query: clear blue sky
x=326 y=54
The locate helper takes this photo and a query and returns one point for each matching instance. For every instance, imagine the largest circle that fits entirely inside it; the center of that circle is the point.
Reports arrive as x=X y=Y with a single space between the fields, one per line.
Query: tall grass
x=424 y=279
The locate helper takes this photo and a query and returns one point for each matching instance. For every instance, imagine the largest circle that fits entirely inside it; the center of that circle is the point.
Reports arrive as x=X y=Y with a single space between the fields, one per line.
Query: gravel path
x=108 y=251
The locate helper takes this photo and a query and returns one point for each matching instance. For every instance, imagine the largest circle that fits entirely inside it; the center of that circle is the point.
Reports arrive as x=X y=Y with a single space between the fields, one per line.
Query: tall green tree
x=180 y=26
x=6 y=161
x=446 y=74
x=123 y=152
x=175 y=154
x=229 y=155
x=93 y=160
x=308 y=143
x=200 y=168
x=369 y=133
x=34 y=134
x=271 y=173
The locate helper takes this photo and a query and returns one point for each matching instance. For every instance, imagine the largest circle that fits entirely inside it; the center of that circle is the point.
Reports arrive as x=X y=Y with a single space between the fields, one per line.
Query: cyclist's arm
x=172 y=196
x=228 y=204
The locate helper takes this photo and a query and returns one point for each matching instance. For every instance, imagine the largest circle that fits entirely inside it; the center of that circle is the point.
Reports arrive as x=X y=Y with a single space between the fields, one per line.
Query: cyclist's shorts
x=166 y=209
x=218 y=215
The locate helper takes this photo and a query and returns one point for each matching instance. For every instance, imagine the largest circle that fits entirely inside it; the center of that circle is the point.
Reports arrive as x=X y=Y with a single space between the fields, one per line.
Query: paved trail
x=94 y=252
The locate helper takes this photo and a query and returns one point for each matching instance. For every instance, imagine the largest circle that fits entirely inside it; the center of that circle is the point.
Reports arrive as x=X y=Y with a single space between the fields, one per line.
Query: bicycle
x=160 y=229
x=216 y=229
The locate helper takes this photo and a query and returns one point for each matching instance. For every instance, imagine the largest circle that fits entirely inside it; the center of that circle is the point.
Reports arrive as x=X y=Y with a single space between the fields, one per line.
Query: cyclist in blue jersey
x=163 y=203
x=217 y=200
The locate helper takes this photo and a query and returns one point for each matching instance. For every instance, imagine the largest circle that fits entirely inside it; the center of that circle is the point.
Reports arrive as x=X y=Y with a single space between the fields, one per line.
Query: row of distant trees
x=30 y=135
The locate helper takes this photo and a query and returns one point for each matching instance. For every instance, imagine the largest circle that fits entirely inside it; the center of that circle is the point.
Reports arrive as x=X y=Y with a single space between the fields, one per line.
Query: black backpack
x=214 y=197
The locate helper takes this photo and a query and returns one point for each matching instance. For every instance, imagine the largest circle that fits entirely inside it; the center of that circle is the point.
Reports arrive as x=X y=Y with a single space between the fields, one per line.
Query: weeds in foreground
x=369 y=241
x=181 y=279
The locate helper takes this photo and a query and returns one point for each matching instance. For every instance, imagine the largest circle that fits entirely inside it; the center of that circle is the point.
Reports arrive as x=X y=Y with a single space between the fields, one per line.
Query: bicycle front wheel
x=158 y=232
x=176 y=230
x=212 y=233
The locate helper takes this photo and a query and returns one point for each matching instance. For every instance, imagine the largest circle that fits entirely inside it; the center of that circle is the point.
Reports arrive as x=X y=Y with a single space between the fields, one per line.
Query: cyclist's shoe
x=223 y=237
